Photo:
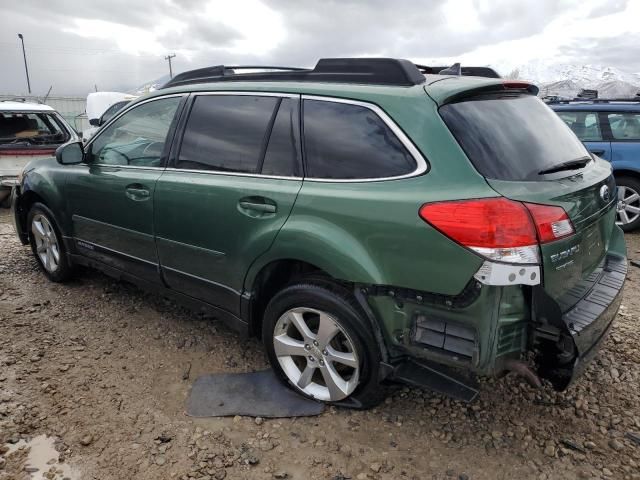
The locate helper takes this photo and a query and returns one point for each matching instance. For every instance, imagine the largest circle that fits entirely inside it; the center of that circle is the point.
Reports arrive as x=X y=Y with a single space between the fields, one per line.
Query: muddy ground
x=98 y=365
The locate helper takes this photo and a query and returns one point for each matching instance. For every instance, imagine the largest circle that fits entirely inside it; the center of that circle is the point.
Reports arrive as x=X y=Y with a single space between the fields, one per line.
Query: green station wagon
x=369 y=220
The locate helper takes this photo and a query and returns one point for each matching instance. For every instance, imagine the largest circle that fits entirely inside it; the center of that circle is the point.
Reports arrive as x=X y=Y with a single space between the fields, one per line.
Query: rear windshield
x=512 y=137
x=32 y=129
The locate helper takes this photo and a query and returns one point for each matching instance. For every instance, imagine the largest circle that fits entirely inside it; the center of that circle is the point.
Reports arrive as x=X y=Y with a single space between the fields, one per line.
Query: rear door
x=625 y=139
x=588 y=128
x=519 y=145
x=230 y=188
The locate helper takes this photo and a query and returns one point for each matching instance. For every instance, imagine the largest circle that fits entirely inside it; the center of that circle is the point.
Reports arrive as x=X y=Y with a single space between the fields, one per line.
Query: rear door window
x=625 y=126
x=345 y=141
x=512 y=137
x=227 y=133
x=584 y=124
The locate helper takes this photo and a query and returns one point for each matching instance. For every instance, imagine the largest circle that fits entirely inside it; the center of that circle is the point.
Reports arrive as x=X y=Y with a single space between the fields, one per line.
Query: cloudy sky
x=73 y=45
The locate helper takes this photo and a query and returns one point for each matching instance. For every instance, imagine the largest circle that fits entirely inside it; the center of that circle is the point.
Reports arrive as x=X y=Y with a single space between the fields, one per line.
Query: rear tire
x=320 y=344
x=47 y=244
x=628 y=208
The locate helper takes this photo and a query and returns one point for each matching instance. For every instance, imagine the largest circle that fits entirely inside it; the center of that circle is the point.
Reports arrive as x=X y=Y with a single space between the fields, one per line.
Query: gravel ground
x=98 y=366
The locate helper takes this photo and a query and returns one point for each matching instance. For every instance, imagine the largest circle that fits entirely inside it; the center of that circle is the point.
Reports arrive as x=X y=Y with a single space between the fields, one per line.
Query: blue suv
x=611 y=129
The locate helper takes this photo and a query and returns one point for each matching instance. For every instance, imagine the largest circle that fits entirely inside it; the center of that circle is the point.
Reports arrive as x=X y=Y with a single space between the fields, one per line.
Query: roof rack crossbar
x=373 y=71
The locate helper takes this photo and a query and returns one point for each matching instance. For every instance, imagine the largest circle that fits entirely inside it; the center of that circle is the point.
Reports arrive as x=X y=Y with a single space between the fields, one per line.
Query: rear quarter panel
x=370 y=232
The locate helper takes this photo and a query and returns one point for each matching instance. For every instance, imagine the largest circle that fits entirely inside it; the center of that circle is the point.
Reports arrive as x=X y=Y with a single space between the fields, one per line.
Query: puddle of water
x=40 y=457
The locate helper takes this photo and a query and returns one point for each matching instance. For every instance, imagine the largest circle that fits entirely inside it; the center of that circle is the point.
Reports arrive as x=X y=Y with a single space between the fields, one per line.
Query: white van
x=101 y=106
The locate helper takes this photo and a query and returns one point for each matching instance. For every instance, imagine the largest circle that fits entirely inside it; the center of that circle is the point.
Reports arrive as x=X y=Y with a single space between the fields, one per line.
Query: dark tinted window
x=226 y=133
x=281 y=157
x=512 y=137
x=584 y=124
x=350 y=141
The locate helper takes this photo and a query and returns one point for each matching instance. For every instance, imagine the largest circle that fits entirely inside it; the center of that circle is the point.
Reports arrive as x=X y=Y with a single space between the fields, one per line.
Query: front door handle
x=597 y=152
x=258 y=207
x=137 y=192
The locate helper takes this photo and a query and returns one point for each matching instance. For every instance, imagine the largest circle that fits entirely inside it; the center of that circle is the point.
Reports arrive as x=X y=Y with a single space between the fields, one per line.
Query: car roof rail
x=368 y=71
x=457 y=69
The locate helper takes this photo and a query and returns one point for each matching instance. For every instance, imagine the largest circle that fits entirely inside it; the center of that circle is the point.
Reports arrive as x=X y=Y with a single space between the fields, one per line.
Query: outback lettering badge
x=555 y=258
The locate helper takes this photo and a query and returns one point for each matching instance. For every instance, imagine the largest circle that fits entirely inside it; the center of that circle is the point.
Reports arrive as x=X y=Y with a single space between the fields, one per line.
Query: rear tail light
x=551 y=222
x=497 y=228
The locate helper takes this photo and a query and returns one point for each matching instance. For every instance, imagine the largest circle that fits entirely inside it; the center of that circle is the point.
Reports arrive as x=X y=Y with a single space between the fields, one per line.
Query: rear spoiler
x=507 y=86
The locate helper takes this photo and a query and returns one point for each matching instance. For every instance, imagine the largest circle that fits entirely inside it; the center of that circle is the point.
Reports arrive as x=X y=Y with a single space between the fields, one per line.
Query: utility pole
x=169 y=57
x=25 y=62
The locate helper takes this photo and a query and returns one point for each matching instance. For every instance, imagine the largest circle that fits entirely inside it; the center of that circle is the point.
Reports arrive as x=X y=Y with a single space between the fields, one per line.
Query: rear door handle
x=258 y=207
x=137 y=191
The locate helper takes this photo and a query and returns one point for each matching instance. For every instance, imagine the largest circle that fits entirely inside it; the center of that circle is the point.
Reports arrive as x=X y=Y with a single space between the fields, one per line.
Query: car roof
x=438 y=87
x=14 y=106
x=618 y=106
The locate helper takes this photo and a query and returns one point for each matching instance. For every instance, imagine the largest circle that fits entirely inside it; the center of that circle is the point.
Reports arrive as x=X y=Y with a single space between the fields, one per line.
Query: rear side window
x=584 y=124
x=512 y=137
x=625 y=126
x=344 y=141
x=226 y=133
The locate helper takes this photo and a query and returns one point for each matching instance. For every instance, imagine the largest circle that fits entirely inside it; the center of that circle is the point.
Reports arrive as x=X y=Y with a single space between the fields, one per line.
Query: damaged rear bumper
x=587 y=323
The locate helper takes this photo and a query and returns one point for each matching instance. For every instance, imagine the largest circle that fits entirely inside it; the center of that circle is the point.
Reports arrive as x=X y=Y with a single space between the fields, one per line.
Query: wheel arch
x=626 y=172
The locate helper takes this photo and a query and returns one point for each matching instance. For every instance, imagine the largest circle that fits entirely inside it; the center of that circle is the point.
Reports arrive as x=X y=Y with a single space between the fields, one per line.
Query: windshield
x=512 y=137
x=31 y=128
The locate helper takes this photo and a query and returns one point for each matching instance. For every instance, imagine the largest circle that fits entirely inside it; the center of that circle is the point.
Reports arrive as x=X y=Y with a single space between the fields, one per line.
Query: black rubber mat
x=256 y=394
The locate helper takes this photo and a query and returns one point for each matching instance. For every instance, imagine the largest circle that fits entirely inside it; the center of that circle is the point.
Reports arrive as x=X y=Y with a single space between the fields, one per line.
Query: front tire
x=47 y=244
x=319 y=343
x=628 y=208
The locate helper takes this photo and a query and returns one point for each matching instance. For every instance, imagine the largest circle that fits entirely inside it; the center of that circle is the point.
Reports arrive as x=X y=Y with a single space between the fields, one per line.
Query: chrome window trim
x=117 y=116
x=232 y=174
x=127 y=167
x=246 y=93
x=421 y=164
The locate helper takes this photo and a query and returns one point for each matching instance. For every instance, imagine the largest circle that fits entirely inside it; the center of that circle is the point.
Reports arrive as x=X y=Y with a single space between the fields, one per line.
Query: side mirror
x=94 y=122
x=70 y=153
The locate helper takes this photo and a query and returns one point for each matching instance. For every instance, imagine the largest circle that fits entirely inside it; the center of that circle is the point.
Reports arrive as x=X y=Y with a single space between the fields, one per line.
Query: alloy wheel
x=47 y=247
x=628 y=208
x=316 y=354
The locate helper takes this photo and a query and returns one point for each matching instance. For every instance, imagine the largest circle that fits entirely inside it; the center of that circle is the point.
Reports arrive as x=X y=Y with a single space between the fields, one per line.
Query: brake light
x=498 y=228
x=516 y=84
x=551 y=222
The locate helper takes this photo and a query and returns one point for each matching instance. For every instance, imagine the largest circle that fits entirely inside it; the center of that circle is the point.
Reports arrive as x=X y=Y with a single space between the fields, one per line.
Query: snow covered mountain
x=567 y=80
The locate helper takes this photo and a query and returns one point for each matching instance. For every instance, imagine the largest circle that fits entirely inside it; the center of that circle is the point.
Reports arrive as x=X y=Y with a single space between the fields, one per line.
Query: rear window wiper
x=570 y=165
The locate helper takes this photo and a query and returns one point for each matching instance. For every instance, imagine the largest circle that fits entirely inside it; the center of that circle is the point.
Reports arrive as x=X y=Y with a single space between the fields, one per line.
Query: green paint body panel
x=193 y=234
x=203 y=230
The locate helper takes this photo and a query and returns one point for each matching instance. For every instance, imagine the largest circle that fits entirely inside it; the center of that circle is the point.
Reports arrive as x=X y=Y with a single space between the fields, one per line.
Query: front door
x=110 y=195
x=230 y=189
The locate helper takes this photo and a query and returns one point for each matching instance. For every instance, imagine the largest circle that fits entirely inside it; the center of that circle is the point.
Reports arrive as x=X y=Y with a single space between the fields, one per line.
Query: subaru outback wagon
x=370 y=221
